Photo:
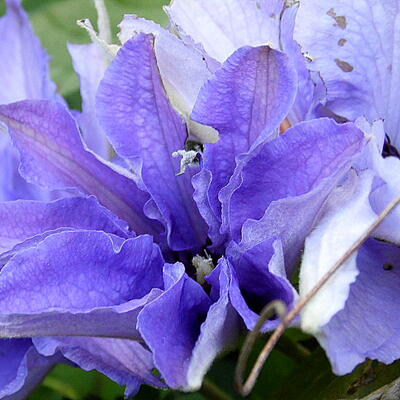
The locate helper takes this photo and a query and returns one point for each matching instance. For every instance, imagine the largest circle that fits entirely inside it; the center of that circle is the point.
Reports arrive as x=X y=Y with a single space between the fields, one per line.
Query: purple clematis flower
x=123 y=257
x=355 y=47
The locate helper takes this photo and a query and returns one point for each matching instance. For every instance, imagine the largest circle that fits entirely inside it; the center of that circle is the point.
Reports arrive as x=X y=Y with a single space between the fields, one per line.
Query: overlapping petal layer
x=222 y=27
x=22 y=368
x=294 y=172
x=145 y=130
x=260 y=278
x=193 y=331
x=84 y=279
x=25 y=223
x=183 y=67
x=126 y=362
x=246 y=100
x=54 y=157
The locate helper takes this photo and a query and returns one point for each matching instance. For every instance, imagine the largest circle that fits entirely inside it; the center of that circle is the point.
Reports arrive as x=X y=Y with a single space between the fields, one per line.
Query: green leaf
x=314 y=380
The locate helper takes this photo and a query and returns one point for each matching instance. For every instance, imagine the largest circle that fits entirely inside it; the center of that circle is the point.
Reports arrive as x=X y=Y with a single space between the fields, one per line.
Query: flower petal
x=387 y=171
x=368 y=324
x=12 y=185
x=224 y=26
x=24 y=68
x=355 y=47
x=21 y=368
x=170 y=325
x=124 y=361
x=294 y=172
x=260 y=278
x=53 y=156
x=71 y=282
x=90 y=63
x=34 y=220
x=183 y=68
x=219 y=331
x=246 y=100
x=145 y=129
x=309 y=94
x=332 y=237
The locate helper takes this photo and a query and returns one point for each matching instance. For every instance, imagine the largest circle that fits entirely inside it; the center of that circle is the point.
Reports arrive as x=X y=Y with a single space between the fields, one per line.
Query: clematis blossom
x=354 y=46
x=122 y=256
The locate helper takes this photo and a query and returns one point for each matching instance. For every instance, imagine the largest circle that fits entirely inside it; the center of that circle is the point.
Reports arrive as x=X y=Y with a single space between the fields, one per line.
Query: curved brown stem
x=275 y=307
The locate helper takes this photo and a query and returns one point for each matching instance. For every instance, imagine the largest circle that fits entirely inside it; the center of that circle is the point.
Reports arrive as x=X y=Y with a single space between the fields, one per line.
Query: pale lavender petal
x=387 y=189
x=142 y=125
x=309 y=93
x=24 y=68
x=170 y=325
x=54 y=157
x=90 y=63
x=246 y=100
x=126 y=362
x=21 y=368
x=24 y=74
x=34 y=220
x=294 y=172
x=368 y=325
x=332 y=237
x=224 y=26
x=71 y=282
x=355 y=47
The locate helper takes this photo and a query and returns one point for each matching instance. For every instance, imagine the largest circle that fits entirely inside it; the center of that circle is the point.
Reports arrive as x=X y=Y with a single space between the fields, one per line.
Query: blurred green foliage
x=55 y=23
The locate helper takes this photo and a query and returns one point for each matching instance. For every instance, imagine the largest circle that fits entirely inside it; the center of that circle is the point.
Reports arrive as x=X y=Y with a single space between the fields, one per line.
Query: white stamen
x=103 y=21
x=188 y=158
x=110 y=49
x=203 y=266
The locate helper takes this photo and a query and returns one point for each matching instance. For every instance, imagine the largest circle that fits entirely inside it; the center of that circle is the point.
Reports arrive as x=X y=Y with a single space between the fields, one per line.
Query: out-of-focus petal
x=34 y=220
x=124 y=361
x=246 y=100
x=222 y=27
x=170 y=325
x=355 y=47
x=24 y=74
x=90 y=63
x=294 y=172
x=145 y=129
x=54 y=157
x=21 y=368
x=71 y=282
x=24 y=68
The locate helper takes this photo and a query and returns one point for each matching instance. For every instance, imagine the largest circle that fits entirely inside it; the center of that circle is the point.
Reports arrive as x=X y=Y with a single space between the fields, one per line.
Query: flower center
x=203 y=267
